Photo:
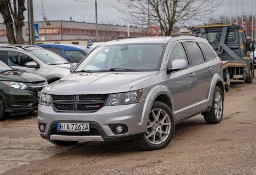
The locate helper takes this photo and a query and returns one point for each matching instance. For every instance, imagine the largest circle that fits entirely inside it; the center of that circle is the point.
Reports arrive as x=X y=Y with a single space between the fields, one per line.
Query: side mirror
x=178 y=64
x=32 y=64
x=73 y=67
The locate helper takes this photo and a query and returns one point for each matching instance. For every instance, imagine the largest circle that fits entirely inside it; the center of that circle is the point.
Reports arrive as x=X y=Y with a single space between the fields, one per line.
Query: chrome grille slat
x=79 y=103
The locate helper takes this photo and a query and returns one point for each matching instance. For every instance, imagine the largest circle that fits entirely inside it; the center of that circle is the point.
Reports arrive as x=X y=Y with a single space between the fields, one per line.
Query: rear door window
x=194 y=53
x=209 y=53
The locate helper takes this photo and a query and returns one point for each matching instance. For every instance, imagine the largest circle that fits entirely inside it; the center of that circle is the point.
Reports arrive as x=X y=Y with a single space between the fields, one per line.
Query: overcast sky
x=84 y=11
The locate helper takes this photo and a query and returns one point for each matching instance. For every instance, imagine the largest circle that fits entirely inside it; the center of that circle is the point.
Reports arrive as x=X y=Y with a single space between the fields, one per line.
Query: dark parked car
x=18 y=91
x=72 y=53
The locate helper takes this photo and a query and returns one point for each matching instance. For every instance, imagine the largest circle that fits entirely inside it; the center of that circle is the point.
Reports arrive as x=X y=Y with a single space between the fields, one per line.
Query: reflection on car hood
x=97 y=83
x=62 y=66
x=20 y=76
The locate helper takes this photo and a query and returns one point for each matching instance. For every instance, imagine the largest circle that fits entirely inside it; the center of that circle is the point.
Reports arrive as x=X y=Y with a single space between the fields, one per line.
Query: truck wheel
x=63 y=143
x=2 y=110
x=214 y=116
x=249 y=77
x=227 y=79
x=160 y=127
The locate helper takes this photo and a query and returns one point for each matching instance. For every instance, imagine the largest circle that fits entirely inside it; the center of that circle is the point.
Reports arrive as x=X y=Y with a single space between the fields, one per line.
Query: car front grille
x=79 y=103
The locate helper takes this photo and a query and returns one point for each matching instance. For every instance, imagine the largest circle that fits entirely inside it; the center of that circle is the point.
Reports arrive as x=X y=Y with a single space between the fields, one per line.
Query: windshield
x=4 y=67
x=48 y=57
x=126 y=57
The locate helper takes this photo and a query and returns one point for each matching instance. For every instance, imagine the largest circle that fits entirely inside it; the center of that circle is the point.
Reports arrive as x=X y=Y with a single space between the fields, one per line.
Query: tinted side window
x=74 y=56
x=55 y=50
x=194 y=53
x=18 y=59
x=177 y=52
x=209 y=54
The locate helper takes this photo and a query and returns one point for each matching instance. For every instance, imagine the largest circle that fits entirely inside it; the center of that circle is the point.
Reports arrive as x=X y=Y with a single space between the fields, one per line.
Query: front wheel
x=214 y=116
x=2 y=109
x=160 y=127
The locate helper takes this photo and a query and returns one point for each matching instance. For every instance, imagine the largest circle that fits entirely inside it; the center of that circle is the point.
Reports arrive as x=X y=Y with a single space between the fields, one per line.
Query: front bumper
x=100 y=123
x=18 y=101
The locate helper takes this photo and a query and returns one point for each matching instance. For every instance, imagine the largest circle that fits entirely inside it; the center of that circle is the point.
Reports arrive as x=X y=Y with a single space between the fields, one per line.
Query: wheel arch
x=4 y=100
x=216 y=81
x=158 y=93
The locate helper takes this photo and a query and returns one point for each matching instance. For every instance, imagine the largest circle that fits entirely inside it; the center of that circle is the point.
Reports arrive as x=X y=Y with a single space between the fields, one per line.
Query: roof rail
x=10 y=46
x=184 y=34
x=125 y=37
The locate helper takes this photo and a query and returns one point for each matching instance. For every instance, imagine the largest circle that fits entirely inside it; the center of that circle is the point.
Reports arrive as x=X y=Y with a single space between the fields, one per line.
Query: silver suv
x=134 y=88
x=35 y=59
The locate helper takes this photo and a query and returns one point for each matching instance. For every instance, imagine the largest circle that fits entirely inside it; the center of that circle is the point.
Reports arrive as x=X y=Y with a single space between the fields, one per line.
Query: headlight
x=124 y=98
x=17 y=85
x=45 y=99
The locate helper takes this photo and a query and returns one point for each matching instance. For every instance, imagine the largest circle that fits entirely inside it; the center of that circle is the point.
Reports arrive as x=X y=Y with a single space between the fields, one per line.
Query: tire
x=2 y=110
x=160 y=122
x=249 y=77
x=227 y=79
x=214 y=116
x=63 y=143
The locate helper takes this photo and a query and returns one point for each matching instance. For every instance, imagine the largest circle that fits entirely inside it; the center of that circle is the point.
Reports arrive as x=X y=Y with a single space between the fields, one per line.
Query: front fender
x=150 y=99
x=216 y=78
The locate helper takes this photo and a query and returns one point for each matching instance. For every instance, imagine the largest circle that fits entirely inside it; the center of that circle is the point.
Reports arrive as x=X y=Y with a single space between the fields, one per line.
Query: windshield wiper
x=121 y=69
x=87 y=71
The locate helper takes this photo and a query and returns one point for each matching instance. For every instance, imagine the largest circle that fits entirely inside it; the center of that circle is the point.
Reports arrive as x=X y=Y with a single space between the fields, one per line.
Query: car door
x=210 y=57
x=181 y=83
x=202 y=76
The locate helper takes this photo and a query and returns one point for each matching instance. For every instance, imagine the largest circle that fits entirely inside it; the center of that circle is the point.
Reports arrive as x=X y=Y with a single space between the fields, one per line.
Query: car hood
x=67 y=66
x=21 y=76
x=97 y=83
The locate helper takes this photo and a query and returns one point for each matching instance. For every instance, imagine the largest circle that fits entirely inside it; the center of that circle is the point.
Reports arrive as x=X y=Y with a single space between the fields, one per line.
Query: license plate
x=73 y=127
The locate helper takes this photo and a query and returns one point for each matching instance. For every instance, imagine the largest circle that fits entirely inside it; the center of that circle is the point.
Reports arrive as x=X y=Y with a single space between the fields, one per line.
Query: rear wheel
x=227 y=79
x=2 y=109
x=160 y=127
x=214 y=116
x=249 y=77
x=63 y=143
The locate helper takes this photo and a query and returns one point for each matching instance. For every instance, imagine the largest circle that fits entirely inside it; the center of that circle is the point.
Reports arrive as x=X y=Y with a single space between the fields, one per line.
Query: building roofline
x=83 y=22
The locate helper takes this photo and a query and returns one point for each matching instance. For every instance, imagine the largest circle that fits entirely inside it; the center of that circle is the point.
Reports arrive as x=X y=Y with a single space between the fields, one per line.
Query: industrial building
x=71 y=32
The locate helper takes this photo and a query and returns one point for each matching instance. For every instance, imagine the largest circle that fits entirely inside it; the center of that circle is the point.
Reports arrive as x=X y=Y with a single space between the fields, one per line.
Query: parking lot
x=197 y=148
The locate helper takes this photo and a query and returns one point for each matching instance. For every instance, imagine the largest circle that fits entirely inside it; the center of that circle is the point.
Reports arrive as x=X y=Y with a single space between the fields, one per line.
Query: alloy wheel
x=158 y=127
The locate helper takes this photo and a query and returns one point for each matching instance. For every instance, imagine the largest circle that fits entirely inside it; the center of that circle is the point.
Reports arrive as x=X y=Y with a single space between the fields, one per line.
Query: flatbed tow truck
x=229 y=42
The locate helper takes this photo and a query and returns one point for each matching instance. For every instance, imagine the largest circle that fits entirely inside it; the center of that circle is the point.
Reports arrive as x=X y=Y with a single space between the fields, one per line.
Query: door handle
x=192 y=74
x=210 y=69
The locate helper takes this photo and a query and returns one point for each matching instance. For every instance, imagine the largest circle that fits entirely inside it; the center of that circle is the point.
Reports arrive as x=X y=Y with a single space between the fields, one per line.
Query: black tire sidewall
x=227 y=86
x=210 y=117
x=2 y=109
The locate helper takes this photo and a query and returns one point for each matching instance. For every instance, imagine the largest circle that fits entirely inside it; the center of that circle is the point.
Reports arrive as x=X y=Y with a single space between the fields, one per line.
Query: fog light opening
x=42 y=127
x=119 y=129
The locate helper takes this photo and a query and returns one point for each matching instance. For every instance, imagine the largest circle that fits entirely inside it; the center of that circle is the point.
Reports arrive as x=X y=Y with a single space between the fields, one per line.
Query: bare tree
x=167 y=13
x=13 y=17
